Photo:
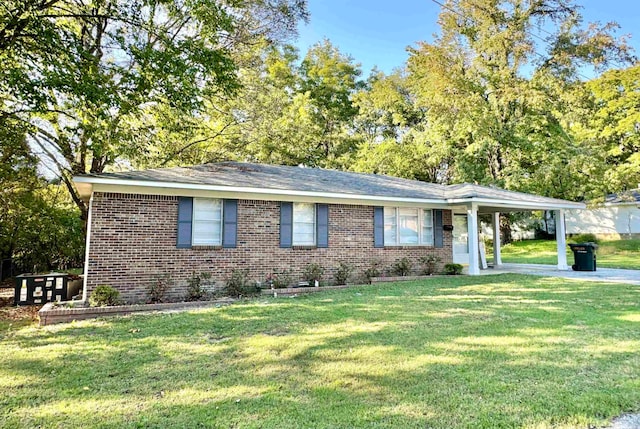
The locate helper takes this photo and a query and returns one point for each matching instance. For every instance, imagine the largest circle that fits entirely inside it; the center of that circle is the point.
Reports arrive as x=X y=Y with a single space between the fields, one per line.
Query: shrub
x=402 y=267
x=279 y=280
x=158 y=288
x=453 y=269
x=372 y=271
x=237 y=285
x=104 y=295
x=312 y=272
x=584 y=238
x=197 y=285
x=343 y=272
x=429 y=264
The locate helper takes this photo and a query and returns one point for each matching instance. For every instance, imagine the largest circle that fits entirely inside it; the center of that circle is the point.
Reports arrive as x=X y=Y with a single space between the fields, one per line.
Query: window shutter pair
x=378 y=228
x=229 y=222
x=286 y=225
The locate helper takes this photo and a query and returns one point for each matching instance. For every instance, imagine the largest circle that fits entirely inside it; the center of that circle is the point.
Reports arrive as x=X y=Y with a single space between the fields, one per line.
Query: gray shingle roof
x=287 y=178
x=278 y=177
x=632 y=196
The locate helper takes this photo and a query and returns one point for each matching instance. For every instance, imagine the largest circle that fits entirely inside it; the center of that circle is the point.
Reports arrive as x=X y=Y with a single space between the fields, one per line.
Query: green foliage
x=198 y=285
x=312 y=272
x=280 y=280
x=93 y=78
x=402 y=267
x=40 y=229
x=430 y=264
x=343 y=272
x=499 y=111
x=374 y=270
x=612 y=129
x=159 y=287
x=584 y=238
x=237 y=285
x=453 y=269
x=104 y=295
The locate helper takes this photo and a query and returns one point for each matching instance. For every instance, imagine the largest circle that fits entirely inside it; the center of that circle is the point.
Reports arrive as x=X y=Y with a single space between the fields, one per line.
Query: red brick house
x=264 y=218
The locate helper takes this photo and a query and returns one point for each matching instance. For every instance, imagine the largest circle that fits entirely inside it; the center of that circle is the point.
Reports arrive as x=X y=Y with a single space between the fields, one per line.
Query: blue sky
x=377 y=32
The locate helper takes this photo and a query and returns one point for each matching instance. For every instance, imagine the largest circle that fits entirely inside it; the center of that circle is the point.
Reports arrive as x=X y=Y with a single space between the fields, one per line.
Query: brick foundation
x=133 y=240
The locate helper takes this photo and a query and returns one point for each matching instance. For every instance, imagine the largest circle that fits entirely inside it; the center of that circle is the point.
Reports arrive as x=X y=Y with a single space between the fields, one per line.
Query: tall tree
x=287 y=111
x=496 y=87
x=90 y=78
x=612 y=127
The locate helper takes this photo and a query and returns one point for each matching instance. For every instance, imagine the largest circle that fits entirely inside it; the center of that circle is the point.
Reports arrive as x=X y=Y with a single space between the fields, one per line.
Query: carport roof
x=277 y=181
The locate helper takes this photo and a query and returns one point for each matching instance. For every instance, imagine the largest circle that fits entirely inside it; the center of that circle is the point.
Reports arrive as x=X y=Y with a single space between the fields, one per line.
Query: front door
x=460 y=239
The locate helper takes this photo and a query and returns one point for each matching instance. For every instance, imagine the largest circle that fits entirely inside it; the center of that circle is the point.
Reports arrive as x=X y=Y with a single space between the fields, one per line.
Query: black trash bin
x=584 y=255
x=40 y=288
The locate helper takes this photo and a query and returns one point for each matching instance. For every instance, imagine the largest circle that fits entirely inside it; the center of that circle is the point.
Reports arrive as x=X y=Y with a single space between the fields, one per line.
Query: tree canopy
x=516 y=93
x=87 y=78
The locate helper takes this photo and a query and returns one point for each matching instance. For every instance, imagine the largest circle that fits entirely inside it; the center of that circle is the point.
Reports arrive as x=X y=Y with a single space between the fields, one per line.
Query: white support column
x=561 y=240
x=497 y=256
x=474 y=247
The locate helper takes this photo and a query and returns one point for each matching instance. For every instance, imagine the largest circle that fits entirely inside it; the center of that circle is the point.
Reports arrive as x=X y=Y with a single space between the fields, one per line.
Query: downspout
x=86 y=251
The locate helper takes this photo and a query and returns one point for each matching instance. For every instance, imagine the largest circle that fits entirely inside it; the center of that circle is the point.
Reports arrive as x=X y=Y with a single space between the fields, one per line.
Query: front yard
x=490 y=351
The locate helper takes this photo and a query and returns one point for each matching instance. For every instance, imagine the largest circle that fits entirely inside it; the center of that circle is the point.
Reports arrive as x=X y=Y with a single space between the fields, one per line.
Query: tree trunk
x=505 y=229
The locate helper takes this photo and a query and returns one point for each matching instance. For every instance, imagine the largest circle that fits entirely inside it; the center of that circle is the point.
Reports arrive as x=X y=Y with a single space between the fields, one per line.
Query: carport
x=469 y=201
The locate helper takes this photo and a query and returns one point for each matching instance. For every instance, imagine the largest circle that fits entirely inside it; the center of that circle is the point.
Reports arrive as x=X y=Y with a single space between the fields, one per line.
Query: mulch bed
x=11 y=314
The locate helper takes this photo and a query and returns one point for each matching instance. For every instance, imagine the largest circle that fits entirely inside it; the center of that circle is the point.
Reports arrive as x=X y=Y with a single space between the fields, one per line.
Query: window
x=408 y=226
x=304 y=224
x=207 y=222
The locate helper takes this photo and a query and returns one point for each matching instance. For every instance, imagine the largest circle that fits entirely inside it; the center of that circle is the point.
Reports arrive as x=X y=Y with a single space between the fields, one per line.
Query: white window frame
x=421 y=226
x=205 y=241
x=294 y=242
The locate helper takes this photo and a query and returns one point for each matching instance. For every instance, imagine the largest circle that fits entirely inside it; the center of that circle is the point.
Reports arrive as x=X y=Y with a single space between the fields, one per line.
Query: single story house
x=264 y=218
x=617 y=217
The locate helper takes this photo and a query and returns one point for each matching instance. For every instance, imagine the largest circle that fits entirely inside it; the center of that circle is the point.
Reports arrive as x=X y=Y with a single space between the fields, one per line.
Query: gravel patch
x=626 y=421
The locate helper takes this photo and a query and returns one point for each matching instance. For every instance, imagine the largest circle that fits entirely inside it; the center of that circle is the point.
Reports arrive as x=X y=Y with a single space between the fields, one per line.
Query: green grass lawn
x=467 y=352
x=610 y=254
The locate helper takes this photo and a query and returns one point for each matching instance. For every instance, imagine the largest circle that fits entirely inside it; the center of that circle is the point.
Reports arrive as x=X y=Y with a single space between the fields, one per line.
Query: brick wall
x=133 y=239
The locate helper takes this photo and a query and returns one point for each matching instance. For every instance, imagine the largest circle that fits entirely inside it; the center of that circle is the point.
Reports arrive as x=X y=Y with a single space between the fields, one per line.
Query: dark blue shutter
x=378 y=227
x=230 y=223
x=438 y=235
x=322 y=225
x=185 y=214
x=286 y=224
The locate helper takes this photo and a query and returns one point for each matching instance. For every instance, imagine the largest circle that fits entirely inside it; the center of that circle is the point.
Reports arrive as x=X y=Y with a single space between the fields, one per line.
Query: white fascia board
x=200 y=190
x=523 y=205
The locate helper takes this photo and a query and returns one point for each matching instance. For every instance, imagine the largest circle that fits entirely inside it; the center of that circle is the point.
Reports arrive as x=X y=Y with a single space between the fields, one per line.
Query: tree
x=499 y=104
x=39 y=226
x=612 y=128
x=286 y=111
x=90 y=80
x=328 y=81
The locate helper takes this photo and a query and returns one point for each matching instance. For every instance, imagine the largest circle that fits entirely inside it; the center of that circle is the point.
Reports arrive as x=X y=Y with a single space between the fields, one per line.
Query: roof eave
x=87 y=184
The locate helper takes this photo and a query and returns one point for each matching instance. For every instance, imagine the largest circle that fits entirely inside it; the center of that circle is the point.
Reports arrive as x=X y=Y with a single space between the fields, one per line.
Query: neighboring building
x=618 y=217
x=264 y=218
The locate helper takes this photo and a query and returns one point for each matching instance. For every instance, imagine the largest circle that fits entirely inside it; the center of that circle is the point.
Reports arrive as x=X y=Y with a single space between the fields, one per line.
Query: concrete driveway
x=611 y=275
